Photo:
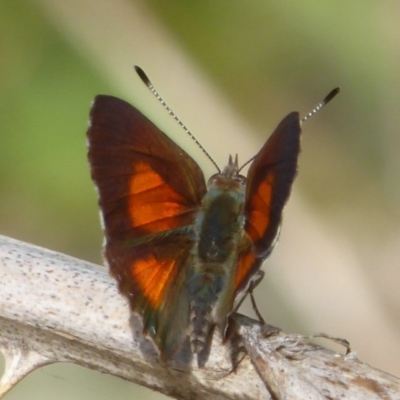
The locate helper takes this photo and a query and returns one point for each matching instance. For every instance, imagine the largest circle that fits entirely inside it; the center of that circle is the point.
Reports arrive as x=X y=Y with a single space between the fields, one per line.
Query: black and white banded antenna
x=148 y=83
x=323 y=103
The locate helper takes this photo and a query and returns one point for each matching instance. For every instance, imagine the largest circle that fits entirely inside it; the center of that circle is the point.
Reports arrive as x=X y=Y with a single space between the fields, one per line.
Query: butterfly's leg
x=258 y=277
x=253 y=284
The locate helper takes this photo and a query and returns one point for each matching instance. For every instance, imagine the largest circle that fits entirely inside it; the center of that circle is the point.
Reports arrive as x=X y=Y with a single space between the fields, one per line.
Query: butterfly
x=184 y=251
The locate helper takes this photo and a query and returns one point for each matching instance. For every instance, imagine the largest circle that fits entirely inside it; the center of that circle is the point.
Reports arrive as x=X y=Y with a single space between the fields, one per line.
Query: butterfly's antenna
x=325 y=101
x=246 y=163
x=148 y=83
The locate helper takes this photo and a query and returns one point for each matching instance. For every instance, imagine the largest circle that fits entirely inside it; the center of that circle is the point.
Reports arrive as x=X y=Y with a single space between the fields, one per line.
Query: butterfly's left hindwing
x=149 y=193
x=153 y=278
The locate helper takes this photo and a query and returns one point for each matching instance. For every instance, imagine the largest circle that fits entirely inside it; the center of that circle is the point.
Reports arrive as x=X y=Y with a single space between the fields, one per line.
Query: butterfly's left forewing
x=269 y=183
x=149 y=194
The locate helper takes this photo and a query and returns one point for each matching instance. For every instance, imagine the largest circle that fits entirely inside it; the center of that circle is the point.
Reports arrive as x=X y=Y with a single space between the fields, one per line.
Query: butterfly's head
x=229 y=178
x=232 y=169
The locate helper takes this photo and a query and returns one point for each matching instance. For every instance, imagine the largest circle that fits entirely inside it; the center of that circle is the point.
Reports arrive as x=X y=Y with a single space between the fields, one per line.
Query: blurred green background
x=231 y=70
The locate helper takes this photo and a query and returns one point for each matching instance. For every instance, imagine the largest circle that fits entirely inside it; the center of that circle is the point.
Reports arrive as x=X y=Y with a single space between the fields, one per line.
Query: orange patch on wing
x=260 y=208
x=153 y=278
x=151 y=199
x=244 y=266
x=144 y=178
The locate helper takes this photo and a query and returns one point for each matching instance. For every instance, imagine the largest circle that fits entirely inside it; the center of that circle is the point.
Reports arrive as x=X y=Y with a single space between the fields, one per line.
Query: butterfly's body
x=183 y=252
x=219 y=239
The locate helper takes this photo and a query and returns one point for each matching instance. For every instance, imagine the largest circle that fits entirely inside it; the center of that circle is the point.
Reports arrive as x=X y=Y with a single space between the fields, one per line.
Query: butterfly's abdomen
x=204 y=289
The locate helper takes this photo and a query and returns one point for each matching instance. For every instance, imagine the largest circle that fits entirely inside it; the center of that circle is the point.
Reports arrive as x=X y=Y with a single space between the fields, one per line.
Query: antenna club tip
x=331 y=95
x=142 y=75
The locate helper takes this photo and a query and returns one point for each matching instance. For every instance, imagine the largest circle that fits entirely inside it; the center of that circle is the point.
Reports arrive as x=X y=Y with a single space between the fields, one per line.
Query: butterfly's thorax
x=219 y=234
x=220 y=221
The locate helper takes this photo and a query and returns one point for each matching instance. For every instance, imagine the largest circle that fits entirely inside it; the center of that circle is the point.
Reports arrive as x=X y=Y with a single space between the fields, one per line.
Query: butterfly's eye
x=240 y=180
x=213 y=178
